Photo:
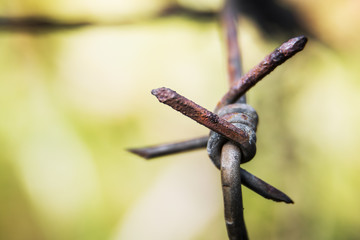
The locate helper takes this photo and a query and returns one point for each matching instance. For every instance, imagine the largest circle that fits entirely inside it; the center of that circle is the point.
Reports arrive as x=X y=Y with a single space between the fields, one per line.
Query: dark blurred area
x=275 y=20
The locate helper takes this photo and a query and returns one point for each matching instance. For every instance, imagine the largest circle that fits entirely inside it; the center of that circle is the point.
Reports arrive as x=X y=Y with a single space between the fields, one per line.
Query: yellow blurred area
x=73 y=9
x=72 y=102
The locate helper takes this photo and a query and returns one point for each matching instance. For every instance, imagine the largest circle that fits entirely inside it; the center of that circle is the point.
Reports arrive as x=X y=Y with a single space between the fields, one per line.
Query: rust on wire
x=281 y=54
x=230 y=31
x=236 y=122
x=200 y=115
x=229 y=18
x=235 y=223
x=267 y=65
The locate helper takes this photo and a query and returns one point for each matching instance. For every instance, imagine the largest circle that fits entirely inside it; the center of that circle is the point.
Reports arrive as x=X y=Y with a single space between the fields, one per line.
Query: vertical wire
x=229 y=20
x=231 y=154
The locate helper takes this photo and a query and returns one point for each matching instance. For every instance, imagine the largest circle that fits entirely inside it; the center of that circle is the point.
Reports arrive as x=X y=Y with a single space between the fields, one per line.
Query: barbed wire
x=233 y=124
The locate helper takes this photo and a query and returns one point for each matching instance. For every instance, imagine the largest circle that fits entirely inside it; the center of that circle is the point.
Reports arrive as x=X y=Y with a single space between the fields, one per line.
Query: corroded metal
x=229 y=21
x=233 y=120
x=201 y=115
x=229 y=18
x=281 y=54
x=270 y=62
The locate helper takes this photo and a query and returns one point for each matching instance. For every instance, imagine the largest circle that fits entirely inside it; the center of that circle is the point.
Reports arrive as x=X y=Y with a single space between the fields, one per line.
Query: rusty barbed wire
x=257 y=73
x=233 y=124
x=267 y=65
x=164 y=149
x=246 y=117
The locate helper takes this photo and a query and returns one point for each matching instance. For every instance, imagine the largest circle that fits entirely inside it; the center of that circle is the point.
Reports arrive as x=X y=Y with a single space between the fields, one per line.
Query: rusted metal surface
x=170 y=148
x=270 y=62
x=231 y=187
x=235 y=121
x=243 y=84
x=228 y=18
x=229 y=21
x=250 y=79
x=242 y=116
x=242 y=135
x=201 y=115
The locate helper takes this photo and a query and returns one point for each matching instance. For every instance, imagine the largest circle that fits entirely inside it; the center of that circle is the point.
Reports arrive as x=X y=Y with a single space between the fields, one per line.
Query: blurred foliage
x=73 y=100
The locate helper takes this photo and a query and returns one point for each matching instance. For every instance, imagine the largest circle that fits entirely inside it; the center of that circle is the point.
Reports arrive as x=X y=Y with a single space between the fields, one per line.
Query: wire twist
x=244 y=117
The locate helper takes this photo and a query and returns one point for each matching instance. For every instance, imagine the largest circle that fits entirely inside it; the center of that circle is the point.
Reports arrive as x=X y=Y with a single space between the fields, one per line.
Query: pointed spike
x=170 y=148
x=142 y=152
x=262 y=188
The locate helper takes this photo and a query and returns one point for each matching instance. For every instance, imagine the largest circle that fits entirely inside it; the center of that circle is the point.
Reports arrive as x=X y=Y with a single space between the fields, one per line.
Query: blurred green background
x=72 y=101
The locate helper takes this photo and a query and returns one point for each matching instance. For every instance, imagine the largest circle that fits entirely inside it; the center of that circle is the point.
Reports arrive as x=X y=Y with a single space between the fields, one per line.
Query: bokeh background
x=74 y=97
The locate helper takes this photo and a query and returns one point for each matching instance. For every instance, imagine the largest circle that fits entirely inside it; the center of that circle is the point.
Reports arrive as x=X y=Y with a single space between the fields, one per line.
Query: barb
x=236 y=124
x=170 y=148
x=231 y=186
x=262 y=188
x=270 y=62
x=201 y=115
x=249 y=180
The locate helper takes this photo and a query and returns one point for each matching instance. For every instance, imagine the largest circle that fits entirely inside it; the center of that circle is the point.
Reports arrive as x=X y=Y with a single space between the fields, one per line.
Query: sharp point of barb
x=294 y=45
x=140 y=152
x=263 y=188
x=284 y=198
x=267 y=65
x=170 y=148
x=300 y=40
x=277 y=195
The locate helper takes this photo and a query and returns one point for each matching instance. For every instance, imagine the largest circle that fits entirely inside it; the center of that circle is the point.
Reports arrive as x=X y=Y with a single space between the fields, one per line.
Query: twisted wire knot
x=243 y=116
